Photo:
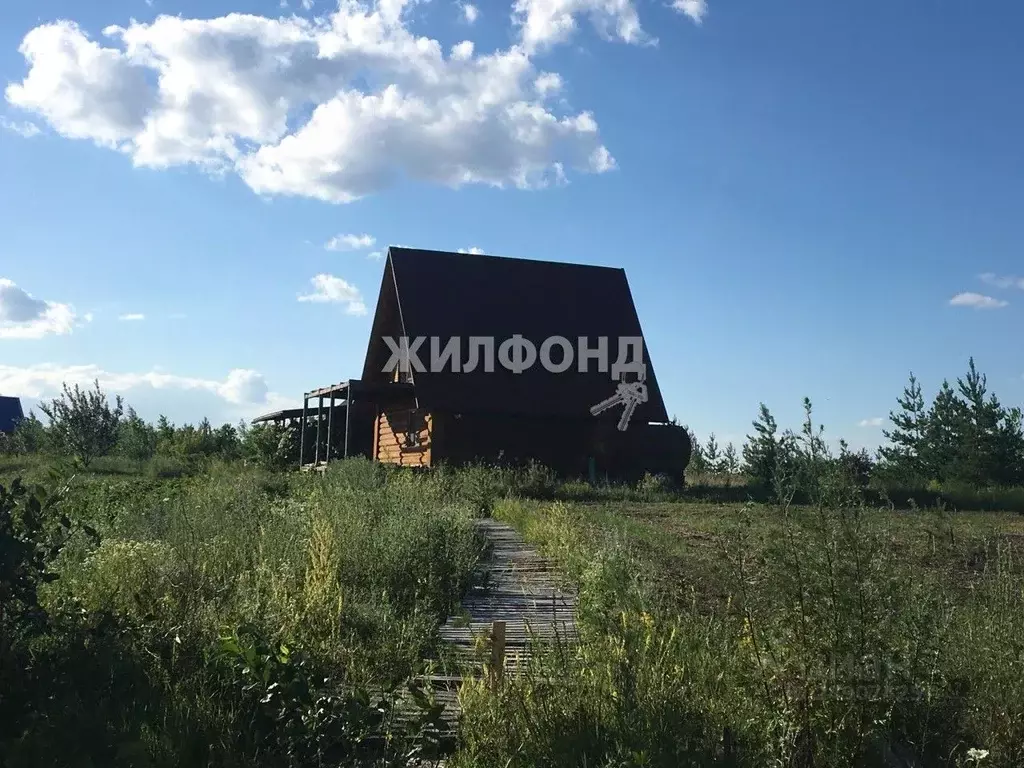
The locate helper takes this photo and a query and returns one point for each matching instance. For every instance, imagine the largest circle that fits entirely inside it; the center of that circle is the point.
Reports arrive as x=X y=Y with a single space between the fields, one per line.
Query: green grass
x=233 y=616
x=757 y=635
x=350 y=573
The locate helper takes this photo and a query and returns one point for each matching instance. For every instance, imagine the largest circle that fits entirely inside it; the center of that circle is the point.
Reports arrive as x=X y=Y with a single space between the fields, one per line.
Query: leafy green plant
x=296 y=712
x=32 y=535
x=82 y=422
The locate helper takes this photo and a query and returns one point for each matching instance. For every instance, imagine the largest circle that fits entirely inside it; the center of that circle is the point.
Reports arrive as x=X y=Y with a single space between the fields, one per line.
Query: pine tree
x=712 y=454
x=698 y=462
x=980 y=422
x=761 y=451
x=991 y=445
x=1010 y=449
x=944 y=442
x=164 y=435
x=905 y=456
x=730 y=463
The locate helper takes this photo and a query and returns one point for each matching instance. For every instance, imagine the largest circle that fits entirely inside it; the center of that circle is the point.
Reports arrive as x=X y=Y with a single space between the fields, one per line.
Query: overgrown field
x=242 y=617
x=233 y=618
x=829 y=635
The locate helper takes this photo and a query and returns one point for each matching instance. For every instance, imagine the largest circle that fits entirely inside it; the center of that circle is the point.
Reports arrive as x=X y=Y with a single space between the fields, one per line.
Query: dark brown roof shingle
x=443 y=295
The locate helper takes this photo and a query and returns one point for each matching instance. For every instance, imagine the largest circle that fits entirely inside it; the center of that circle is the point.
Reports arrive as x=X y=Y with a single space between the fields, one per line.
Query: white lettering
x=545 y=354
x=480 y=342
x=517 y=354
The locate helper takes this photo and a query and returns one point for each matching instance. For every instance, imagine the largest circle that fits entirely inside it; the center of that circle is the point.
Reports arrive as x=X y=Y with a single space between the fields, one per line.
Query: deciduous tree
x=82 y=422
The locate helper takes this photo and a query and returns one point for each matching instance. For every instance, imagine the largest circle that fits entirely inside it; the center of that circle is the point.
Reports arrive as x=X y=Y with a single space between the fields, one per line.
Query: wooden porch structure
x=343 y=416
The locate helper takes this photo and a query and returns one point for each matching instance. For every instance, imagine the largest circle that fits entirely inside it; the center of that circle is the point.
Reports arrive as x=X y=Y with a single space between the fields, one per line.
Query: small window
x=413 y=437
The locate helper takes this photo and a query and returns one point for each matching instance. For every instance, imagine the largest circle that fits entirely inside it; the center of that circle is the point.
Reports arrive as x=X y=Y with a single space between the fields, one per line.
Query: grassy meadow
x=230 y=615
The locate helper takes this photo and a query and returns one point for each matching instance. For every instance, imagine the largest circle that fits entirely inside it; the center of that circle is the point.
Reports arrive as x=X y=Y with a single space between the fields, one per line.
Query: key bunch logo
x=630 y=394
x=518 y=353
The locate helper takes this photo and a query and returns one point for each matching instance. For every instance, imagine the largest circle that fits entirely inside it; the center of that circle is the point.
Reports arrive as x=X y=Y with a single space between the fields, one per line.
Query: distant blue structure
x=10 y=413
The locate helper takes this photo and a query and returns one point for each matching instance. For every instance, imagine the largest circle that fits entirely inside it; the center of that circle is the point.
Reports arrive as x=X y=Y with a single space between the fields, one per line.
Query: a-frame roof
x=10 y=413
x=437 y=294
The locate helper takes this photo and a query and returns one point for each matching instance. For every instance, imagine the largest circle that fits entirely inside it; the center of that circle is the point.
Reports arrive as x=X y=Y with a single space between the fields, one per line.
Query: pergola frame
x=348 y=392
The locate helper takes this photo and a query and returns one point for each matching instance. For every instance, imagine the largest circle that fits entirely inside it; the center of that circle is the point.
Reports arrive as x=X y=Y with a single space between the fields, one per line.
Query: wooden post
x=376 y=433
x=319 y=423
x=348 y=414
x=302 y=432
x=497 y=653
x=330 y=427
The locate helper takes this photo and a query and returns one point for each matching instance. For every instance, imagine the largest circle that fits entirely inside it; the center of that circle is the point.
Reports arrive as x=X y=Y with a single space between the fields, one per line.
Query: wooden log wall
x=392 y=429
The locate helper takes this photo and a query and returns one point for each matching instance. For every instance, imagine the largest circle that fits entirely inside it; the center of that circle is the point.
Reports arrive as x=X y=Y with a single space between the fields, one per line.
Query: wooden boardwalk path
x=517 y=602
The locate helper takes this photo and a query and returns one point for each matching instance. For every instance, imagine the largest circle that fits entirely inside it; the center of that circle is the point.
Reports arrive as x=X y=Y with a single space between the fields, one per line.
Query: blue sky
x=797 y=190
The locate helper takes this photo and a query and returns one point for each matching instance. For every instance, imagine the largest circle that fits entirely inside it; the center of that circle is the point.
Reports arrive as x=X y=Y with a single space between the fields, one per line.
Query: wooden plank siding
x=392 y=428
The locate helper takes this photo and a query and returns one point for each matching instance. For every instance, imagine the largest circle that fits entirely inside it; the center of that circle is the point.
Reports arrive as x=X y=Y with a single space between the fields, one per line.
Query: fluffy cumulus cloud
x=976 y=301
x=695 y=9
x=22 y=316
x=335 y=107
x=241 y=387
x=328 y=289
x=350 y=242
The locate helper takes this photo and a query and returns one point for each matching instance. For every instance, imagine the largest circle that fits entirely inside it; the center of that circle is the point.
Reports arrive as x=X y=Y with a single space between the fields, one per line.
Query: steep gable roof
x=437 y=294
x=10 y=413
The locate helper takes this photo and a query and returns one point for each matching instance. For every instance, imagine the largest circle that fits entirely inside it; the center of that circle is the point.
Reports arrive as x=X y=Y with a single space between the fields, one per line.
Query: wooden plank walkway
x=517 y=594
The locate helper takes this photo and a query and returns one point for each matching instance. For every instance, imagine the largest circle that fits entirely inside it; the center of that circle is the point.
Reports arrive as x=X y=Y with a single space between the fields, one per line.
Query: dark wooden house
x=10 y=414
x=494 y=407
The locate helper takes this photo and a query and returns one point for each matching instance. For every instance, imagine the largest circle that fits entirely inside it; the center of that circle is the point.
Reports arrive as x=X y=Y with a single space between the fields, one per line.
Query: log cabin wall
x=561 y=444
x=403 y=436
x=564 y=445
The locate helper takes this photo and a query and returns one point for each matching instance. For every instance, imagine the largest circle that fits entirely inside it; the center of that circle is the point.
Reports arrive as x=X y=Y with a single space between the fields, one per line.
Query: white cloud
x=241 y=387
x=1002 y=281
x=976 y=301
x=544 y=23
x=462 y=51
x=307 y=5
x=350 y=242
x=470 y=13
x=24 y=129
x=695 y=9
x=874 y=421
x=472 y=249
x=601 y=160
x=334 y=108
x=132 y=316
x=83 y=90
x=376 y=255
x=547 y=83
x=331 y=289
x=22 y=316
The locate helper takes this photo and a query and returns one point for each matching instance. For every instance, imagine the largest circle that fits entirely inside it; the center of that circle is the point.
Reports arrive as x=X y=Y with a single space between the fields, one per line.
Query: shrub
x=82 y=423
x=655 y=485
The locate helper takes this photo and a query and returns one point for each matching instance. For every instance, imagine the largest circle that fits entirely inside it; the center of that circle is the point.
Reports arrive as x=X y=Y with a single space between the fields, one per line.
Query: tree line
x=965 y=437
x=85 y=424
